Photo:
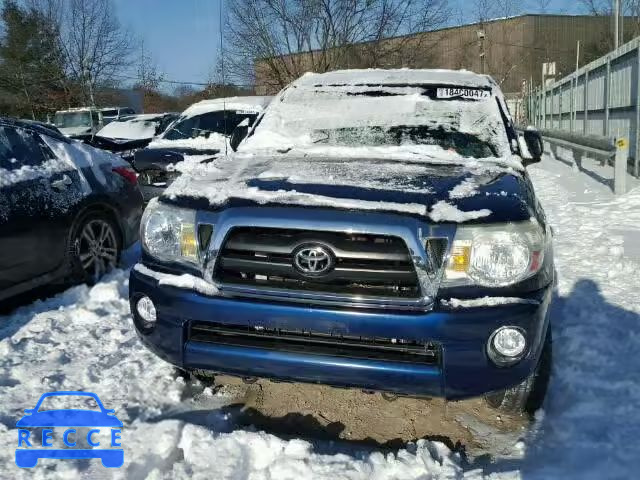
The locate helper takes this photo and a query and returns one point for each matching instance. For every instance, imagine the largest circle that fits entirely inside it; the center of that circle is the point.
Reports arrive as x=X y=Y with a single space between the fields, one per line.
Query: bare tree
x=541 y=6
x=30 y=62
x=597 y=7
x=96 y=47
x=503 y=54
x=604 y=8
x=149 y=77
x=281 y=39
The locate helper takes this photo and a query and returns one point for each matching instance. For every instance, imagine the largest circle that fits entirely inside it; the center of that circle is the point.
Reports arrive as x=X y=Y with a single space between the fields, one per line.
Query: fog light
x=508 y=343
x=146 y=309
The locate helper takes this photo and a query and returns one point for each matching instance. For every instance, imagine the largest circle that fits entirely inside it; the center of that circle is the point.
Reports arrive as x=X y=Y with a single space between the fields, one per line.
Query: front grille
x=365 y=265
x=316 y=343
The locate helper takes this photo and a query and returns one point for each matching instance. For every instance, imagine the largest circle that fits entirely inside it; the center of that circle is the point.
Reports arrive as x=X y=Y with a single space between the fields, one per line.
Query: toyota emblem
x=313 y=259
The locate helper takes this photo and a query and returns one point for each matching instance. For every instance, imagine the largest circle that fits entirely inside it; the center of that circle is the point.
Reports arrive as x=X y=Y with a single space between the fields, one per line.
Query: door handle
x=61 y=184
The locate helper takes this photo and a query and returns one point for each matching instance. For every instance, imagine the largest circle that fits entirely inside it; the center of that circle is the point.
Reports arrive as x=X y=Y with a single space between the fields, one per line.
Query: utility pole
x=621 y=28
x=616 y=24
x=481 y=35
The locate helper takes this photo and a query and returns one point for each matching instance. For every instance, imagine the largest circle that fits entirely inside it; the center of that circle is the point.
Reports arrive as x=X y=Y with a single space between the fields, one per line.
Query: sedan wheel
x=97 y=248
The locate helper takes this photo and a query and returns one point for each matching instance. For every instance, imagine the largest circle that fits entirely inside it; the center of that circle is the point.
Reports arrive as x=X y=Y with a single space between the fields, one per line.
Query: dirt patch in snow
x=319 y=412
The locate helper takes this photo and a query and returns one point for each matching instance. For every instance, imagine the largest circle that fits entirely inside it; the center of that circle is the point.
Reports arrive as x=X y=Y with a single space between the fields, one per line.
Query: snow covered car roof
x=38 y=127
x=254 y=103
x=215 y=140
x=401 y=76
x=134 y=127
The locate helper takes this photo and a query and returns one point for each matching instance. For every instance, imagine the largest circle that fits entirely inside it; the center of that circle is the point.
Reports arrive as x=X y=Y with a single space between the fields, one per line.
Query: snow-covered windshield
x=414 y=117
x=134 y=128
x=222 y=122
x=73 y=119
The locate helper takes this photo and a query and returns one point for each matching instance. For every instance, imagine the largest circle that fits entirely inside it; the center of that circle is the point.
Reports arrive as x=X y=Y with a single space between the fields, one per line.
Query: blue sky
x=183 y=36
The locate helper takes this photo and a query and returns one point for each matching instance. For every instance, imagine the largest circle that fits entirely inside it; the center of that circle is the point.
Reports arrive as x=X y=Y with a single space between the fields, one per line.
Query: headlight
x=169 y=233
x=496 y=255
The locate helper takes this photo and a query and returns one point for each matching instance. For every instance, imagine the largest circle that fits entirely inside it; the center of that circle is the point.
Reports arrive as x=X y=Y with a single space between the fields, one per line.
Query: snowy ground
x=83 y=340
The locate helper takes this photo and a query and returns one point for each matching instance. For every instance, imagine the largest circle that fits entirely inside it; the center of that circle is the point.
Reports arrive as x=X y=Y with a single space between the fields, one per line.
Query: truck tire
x=527 y=396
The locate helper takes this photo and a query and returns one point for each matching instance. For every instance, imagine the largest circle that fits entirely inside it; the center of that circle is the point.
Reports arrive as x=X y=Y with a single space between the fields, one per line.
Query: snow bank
x=257 y=455
x=84 y=340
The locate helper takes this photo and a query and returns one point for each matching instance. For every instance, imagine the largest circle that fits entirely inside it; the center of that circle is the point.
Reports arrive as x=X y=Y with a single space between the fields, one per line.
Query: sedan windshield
x=221 y=122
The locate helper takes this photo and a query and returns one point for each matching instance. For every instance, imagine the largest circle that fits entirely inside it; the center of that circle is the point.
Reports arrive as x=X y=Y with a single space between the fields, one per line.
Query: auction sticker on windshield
x=466 y=93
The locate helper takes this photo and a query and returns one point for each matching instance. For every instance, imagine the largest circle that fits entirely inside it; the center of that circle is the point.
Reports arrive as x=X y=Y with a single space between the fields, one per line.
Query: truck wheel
x=527 y=396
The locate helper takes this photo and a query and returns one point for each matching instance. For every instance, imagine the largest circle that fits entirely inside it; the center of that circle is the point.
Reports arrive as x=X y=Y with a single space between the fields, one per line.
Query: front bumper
x=463 y=370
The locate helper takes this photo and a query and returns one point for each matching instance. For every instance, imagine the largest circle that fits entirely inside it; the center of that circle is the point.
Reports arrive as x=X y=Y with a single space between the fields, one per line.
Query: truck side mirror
x=535 y=146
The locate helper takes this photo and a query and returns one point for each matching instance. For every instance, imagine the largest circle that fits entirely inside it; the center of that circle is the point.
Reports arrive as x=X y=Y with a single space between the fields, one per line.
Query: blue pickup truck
x=377 y=229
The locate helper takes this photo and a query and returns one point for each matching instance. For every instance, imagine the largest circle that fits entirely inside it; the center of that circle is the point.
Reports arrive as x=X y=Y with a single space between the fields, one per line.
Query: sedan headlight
x=169 y=233
x=496 y=255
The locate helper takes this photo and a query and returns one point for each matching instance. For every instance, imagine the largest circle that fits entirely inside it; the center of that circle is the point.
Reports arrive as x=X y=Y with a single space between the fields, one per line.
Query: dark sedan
x=67 y=210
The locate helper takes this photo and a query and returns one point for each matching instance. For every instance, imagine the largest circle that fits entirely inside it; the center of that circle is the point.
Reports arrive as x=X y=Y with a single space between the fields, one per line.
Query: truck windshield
x=417 y=118
x=73 y=119
x=464 y=144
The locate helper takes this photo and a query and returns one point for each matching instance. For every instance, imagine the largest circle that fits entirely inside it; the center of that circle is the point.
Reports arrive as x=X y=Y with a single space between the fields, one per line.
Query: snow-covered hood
x=478 y=191
x=162 y=154
x=71 y=131
x=171 y=158
x=215 y=142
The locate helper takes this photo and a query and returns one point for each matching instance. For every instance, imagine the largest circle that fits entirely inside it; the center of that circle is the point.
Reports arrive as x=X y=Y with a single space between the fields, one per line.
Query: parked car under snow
x=129 y=134
x=199 y=135
x=87 y=120
x=377 y=230
x=67 y=210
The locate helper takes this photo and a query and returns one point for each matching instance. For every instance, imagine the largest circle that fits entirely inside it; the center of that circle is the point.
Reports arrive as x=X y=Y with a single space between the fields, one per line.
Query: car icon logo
x=104 y=429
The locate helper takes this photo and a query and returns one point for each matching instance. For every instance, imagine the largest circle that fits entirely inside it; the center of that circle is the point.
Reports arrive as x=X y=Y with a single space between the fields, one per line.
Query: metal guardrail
x=614 y=152
x=600 y=98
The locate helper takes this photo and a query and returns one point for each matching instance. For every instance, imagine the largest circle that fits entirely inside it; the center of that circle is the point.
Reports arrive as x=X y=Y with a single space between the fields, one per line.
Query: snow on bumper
x=463 y=368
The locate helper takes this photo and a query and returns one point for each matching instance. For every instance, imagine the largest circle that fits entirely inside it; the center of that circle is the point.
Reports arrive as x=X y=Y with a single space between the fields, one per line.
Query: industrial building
x=517 y=51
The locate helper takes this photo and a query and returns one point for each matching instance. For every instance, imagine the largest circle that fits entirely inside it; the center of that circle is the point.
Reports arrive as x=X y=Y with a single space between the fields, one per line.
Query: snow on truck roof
x=395 y=77
x=254 y=103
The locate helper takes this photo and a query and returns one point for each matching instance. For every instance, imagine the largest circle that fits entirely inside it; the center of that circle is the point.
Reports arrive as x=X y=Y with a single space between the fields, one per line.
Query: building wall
x=515 y=50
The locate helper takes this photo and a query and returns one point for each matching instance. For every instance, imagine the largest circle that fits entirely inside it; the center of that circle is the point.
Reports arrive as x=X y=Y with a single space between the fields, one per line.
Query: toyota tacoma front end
x=376 y=268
